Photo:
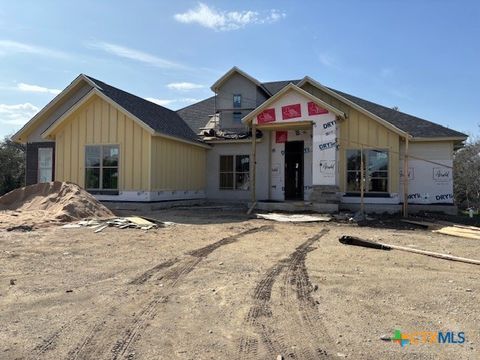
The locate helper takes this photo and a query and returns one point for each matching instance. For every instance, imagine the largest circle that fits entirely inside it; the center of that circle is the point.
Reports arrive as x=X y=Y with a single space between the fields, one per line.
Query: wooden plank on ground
x=424 y=224
x=459 y=232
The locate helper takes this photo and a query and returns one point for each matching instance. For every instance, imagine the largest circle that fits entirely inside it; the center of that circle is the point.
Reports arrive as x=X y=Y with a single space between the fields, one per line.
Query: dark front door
x=294 y=170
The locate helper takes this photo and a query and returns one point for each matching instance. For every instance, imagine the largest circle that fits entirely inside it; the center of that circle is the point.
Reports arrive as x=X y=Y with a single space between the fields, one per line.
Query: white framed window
x=234 y=172
x=101 y=168
x=45 y=164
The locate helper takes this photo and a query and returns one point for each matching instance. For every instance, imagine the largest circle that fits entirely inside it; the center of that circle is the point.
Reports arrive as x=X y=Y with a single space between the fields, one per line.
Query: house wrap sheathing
x=310 y=143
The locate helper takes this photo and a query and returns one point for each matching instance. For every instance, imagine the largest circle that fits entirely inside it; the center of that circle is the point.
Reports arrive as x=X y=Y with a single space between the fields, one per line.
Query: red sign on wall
x=314 y=109
x=266 y=116
x=281 y=137
x=291 y=111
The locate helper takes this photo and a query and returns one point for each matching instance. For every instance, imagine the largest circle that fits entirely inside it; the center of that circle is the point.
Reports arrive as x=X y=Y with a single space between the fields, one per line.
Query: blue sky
x=420 y=55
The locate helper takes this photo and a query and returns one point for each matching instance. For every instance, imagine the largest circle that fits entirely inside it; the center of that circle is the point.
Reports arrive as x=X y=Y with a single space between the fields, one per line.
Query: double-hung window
x=234 y=172
x=45 y=164
x=237 y=101
x=101 y=168
x=375 y=170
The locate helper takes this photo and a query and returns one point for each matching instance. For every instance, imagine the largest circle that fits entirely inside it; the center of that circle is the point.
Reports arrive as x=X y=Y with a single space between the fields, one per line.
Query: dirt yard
x=218 y=285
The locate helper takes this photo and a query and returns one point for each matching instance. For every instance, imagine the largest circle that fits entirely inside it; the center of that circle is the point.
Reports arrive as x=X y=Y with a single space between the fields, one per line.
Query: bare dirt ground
x=219 y=285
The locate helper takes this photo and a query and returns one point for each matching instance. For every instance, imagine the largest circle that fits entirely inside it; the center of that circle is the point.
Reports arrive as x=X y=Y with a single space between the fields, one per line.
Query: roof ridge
x=198 y=102
x=129 y=93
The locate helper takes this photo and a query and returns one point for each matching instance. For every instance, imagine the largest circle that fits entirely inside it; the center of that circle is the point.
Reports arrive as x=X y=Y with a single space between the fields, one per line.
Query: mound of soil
x=49 y=203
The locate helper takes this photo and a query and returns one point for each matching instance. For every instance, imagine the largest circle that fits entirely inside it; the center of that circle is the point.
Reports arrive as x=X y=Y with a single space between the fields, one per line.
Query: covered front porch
x=302 y=152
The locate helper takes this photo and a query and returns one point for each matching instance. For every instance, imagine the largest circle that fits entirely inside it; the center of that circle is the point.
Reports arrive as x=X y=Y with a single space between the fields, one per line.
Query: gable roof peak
x=237 y=70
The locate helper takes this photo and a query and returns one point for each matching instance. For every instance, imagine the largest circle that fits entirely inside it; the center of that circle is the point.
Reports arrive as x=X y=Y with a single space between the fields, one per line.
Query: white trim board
x=148 y=196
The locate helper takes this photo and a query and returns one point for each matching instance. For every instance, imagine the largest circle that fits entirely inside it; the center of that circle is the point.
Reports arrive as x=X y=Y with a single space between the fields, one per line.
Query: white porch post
x=254 y=161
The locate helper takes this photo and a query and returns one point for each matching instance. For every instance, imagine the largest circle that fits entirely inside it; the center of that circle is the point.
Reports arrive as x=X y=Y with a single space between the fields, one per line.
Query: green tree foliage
x=466 y=170
x=12 y=165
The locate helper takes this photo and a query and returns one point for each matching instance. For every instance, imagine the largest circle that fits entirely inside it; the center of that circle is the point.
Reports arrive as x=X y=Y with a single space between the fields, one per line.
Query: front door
x=294 y=170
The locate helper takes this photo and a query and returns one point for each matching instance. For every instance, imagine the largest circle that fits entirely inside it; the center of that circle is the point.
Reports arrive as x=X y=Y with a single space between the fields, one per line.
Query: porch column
x=254 y=160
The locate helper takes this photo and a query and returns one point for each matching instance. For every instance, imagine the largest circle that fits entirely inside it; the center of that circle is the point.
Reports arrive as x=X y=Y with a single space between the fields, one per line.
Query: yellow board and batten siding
x=177 y=165
x=99 y=123
x=146 y=162
x=360 y=130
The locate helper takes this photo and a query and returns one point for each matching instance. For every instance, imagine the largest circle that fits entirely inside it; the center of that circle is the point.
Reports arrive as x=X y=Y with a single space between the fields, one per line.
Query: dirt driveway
x=221 y=286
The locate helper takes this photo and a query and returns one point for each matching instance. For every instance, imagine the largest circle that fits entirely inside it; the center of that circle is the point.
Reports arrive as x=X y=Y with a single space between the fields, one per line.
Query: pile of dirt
x=49 y=203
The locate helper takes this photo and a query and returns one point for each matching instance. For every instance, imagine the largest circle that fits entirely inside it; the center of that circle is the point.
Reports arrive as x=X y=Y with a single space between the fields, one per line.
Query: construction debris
x=47 y=204
x=130 y=222
x=294 y=217
x=470 y=232
x=352 y=240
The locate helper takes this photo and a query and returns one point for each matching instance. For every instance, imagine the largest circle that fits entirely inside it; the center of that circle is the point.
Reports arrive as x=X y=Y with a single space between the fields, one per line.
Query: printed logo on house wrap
x=442 y=174
x=428 y=337
x=327 y=145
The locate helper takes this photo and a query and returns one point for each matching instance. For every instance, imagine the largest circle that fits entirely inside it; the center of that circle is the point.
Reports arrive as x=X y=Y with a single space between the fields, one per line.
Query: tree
x=12 y=165
x=466 y=170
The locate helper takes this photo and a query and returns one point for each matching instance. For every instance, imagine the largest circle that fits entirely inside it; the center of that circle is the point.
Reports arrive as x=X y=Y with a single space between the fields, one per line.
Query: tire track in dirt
x=143 y=278
x=297 y=291
x=50 y=342
x=177 y=269
x=300 y=310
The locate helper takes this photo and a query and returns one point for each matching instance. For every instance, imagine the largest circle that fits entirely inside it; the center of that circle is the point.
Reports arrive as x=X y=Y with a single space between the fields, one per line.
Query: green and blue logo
x=428 y=337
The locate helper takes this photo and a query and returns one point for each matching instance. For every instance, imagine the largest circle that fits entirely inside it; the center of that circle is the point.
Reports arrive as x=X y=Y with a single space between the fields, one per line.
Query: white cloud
x=17 y=114
x=327 y=60
x=168 y=102
x=184 y=86
x=9 y=47
x=133 y=54
x=219 y=20
x=37 y=89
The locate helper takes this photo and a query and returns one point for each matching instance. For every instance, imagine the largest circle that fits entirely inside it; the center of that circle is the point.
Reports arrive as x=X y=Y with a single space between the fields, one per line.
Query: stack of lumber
x=448 y=228
x=469 y=232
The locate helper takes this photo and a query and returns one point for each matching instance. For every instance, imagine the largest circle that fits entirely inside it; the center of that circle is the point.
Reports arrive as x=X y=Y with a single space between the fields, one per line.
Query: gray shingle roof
x=275 y=86
x=159 y=118
x=413 y=125
x=198 y=114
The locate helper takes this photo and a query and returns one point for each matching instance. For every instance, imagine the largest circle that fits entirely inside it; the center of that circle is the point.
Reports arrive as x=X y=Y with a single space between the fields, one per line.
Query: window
x=237 y=117
x=234 y=172
x=101 y=168
x=237 y=101
x=45 y=164
x=375 y=167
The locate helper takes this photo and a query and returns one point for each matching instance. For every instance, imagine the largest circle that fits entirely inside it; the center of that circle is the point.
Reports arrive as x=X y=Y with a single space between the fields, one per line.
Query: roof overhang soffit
x=95 y=91
x=291 y=87
x=19 y=135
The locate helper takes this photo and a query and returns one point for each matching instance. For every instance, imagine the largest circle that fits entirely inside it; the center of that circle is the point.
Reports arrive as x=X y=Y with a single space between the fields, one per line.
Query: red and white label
x=281 y=137
x=266 y=116
x=291 y=111
x=314 y=109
